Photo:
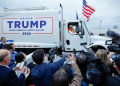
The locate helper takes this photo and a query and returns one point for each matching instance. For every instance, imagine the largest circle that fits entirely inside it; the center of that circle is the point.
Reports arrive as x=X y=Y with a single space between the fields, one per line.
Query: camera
x=115 y=40
x=113 y=34
x=95 y=68
x=52 y=53
x=114 y=48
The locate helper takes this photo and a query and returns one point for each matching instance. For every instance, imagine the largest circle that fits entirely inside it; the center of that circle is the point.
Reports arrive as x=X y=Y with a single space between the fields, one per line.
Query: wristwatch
x=72 y=62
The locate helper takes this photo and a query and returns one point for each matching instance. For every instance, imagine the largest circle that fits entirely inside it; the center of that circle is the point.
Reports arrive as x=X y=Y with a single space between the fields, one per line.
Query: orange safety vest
x=71 y=30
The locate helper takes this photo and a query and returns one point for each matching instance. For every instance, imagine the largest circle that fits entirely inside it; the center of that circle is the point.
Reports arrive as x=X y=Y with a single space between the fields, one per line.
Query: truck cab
x=81 y=35
x=72 y=41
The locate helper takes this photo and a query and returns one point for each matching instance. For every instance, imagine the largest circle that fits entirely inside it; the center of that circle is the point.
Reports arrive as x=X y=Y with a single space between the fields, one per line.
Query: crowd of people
x=15 y=72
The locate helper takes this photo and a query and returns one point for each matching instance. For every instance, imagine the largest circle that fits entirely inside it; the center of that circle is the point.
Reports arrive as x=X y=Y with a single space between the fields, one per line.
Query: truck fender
x=98 y=45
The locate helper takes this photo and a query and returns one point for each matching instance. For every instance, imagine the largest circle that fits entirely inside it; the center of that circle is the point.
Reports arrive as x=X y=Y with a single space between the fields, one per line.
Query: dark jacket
x=8 y=77
x=1 y=45
x=42 y=73
x=110 y=81
x=111 y=69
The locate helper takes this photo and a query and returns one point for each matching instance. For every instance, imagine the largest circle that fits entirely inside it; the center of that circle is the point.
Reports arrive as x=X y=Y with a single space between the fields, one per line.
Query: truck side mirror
x=91 y=33
x=81 y=36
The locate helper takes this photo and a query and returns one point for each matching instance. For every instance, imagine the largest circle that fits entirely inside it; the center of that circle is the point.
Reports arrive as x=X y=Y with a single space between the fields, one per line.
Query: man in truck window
x=71 y=30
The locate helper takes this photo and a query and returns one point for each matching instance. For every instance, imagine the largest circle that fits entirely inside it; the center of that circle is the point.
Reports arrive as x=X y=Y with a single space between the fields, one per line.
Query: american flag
x=87 y=10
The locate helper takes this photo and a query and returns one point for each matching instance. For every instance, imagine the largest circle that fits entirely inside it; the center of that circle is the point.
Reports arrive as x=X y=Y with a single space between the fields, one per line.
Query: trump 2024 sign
x=27 y=26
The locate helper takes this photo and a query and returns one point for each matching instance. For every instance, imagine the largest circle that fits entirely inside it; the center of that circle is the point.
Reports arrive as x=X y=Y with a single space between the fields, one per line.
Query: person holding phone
x=60 y=78
x=115 y=79
x=20 y=61
x=42 y=73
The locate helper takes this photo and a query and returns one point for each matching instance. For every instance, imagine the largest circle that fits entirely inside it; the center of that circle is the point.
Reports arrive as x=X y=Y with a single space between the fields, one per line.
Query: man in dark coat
x=42 y=73
x=3 y=40
x=8 y=76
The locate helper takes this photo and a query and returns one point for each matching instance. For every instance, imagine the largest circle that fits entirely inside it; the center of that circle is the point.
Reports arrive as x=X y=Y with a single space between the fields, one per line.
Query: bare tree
x=115 y=27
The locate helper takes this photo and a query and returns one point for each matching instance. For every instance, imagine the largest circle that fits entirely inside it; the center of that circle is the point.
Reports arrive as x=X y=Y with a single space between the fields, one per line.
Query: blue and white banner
x=27 y=26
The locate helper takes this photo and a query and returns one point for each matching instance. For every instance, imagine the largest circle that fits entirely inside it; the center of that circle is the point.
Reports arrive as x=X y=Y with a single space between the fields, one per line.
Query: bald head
x=70 y=26
x=3 y=53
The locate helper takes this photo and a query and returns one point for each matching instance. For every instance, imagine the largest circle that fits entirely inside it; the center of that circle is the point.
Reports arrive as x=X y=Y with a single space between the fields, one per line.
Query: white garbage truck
x=31 y=29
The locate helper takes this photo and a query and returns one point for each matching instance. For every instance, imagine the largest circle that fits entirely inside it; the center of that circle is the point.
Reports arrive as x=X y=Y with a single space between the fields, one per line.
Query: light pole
x=100 y=24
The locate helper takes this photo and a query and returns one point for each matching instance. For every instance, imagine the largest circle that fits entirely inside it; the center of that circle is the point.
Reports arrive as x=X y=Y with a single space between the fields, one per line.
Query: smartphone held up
x=66 y=55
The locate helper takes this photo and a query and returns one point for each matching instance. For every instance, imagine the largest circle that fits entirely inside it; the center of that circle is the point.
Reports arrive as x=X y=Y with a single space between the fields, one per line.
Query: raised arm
x=78 y=76
x=57 y=65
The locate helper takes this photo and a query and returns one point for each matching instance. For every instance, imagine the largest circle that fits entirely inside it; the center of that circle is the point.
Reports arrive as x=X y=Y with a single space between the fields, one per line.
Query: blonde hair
x=102 y=55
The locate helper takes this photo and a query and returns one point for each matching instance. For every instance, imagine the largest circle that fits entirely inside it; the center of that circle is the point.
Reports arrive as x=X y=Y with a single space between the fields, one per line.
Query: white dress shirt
x=19 y=71
x=3 y=43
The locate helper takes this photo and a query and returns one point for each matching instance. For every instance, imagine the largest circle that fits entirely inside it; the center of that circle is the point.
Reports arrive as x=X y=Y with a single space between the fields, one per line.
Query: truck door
x=71 y=37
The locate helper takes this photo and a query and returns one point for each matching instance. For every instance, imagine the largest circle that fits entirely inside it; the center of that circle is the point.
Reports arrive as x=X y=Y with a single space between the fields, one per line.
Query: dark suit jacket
x=8 y=77
x=110 y=81
x=1 y=45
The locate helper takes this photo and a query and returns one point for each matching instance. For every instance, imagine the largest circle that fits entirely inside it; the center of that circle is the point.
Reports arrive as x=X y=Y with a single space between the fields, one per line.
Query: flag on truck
x=87 y=10
x=77 y=19
x=76 y=16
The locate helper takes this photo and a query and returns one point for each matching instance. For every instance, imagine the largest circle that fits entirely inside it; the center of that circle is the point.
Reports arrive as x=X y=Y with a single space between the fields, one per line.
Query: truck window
x=73 y=28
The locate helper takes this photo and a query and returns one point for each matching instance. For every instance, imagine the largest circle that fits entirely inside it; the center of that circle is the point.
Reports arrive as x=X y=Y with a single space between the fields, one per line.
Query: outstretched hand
x=71 y=58
x=16 y=68
x=23 y=69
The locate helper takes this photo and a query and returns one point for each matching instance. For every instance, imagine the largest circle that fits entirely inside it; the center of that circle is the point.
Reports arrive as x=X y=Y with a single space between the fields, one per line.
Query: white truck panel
x=38 y=29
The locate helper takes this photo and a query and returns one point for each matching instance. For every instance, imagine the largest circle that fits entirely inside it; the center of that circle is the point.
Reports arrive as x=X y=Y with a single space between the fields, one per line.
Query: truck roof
x=2 y=13
x=30 y=11
x=72 y=20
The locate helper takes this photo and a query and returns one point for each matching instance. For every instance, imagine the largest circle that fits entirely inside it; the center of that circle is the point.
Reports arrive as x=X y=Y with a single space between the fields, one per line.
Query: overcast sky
x=108 y=11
